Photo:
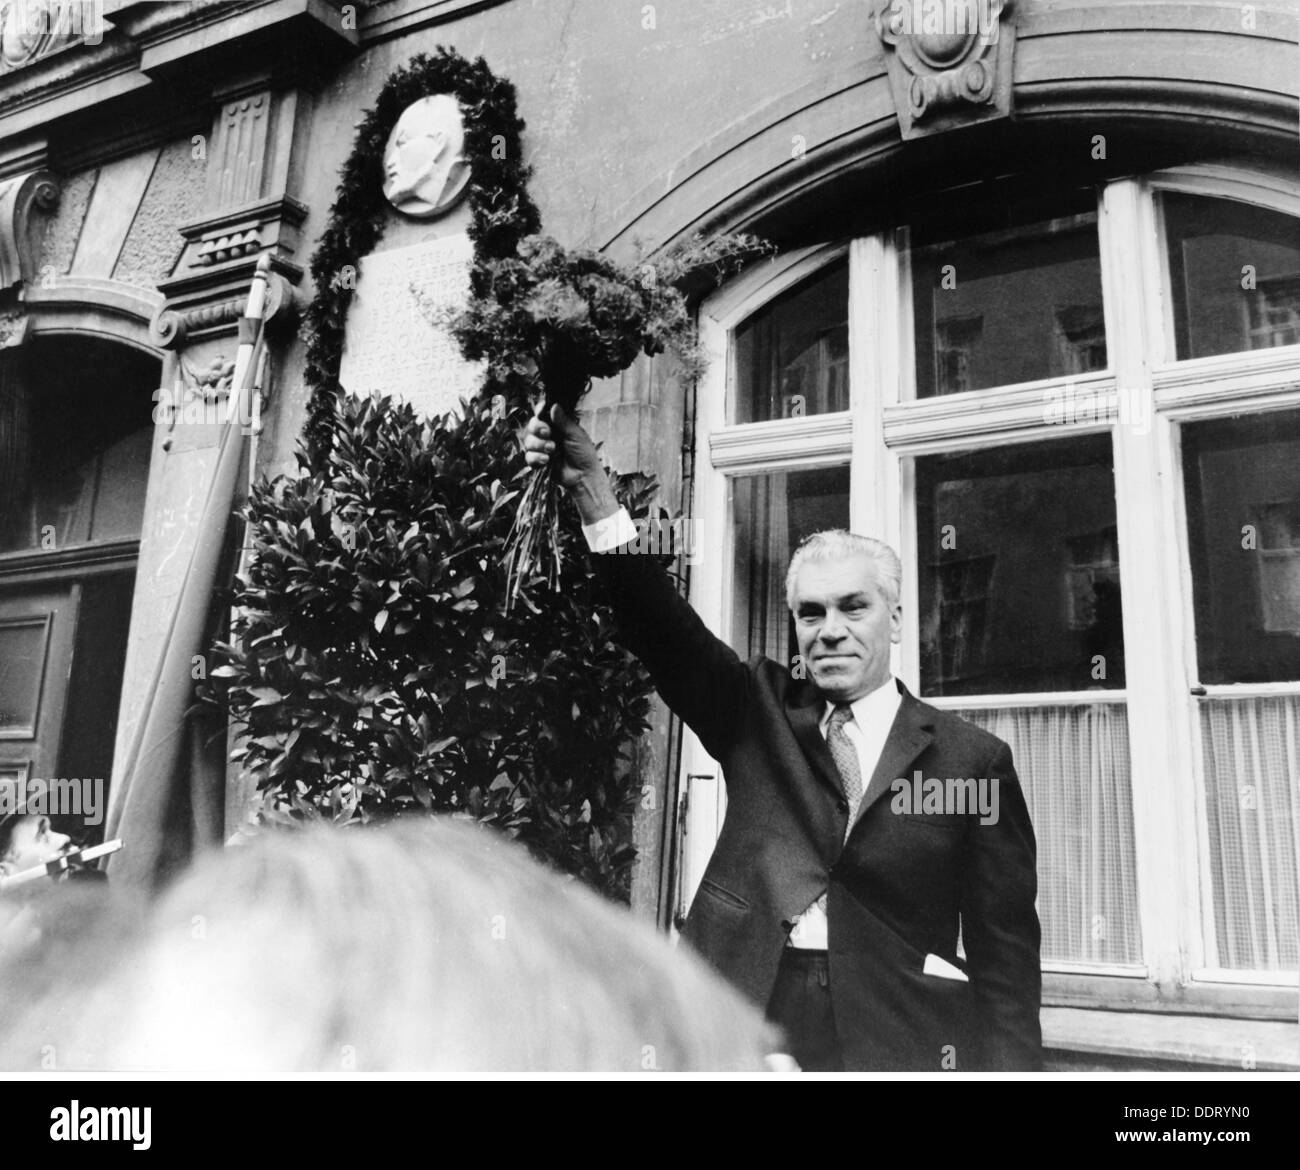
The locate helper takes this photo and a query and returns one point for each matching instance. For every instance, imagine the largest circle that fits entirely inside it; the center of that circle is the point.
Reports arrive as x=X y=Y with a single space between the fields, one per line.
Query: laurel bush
x=374 y=669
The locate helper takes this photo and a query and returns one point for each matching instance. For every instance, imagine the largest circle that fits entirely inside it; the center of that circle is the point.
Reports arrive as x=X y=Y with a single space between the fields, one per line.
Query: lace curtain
x=1073 y=764
x=1251 y=750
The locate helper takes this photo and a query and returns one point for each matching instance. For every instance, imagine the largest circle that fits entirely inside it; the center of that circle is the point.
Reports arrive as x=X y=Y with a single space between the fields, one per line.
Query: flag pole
x=140 y=811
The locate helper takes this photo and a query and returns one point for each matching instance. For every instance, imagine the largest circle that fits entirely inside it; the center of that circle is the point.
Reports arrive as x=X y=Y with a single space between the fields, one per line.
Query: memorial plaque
x=397 y=340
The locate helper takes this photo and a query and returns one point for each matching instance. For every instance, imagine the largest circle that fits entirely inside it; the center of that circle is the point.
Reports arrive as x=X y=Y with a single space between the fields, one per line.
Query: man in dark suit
x=866 y=832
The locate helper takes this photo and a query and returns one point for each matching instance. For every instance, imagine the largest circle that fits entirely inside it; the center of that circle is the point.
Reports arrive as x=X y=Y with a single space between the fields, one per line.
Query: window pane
x=771 y=514
x=1019 y=570
x=1009 y=306
x=1020 y=592
x=22 y=669
x=1234 y=271
x=1073 y=764
x=123 y=478
x=792 y=358
x=1242 y=478
x=75 y=440
x=95 y=688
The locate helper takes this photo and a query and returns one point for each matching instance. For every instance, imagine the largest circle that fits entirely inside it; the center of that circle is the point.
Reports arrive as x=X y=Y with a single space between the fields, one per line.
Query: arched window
x=1079 y=421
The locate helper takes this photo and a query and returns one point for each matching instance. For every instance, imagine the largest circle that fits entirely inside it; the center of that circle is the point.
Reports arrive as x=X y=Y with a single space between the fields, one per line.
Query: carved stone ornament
x=179 y=324
x=18 y=195
x=949 y=61
x=198 y=395
x=30 y=29
x=211 y=383
x=425 y=172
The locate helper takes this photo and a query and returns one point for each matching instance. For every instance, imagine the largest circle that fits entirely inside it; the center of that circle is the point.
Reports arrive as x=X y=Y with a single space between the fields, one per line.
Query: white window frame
x=886 y=426
x=1194 y=390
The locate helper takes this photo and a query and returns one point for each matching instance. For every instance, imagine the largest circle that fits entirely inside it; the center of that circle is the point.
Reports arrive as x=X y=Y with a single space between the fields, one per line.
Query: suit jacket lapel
x=908 y=738
x=804 y=708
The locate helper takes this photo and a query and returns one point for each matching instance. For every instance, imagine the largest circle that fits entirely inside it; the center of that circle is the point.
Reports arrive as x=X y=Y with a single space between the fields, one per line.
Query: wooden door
x=37 y=633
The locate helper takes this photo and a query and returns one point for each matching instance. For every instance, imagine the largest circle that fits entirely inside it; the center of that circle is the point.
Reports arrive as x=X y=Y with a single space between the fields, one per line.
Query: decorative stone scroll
x=19 y=195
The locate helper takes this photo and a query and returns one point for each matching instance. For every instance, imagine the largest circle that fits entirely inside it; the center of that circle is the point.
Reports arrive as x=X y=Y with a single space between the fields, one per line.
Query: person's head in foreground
x=423 y=945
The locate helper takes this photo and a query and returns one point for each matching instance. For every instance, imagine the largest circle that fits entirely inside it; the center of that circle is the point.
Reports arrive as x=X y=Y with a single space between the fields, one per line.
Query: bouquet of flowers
x=549 y=319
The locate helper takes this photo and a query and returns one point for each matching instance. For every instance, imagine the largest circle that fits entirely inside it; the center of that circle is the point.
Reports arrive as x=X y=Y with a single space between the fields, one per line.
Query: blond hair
x=424 y=945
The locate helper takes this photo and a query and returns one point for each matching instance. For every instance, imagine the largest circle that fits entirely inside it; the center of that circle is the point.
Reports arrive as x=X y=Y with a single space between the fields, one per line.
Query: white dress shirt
x=873 y=716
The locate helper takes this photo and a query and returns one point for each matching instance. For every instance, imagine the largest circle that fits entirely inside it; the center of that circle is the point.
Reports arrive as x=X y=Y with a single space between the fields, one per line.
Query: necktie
x=846 y=758
x=847 y=764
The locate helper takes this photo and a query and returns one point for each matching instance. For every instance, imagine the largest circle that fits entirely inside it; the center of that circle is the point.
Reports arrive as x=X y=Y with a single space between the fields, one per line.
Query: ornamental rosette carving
x=949 y=61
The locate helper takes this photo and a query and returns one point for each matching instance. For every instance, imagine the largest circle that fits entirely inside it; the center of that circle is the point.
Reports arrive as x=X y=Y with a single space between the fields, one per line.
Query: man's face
x=428 y=139
x=31 y=843
x=844 y=625
x=414 y=151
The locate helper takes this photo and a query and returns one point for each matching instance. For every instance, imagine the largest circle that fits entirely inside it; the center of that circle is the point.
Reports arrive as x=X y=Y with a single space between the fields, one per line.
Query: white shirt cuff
x=607 y=534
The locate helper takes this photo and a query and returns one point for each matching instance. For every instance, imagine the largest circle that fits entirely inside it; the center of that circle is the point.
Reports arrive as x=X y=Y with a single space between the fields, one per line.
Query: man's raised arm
x=696 y=673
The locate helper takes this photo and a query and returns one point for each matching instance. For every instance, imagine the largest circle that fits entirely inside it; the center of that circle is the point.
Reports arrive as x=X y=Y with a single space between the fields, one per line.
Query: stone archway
x=79 y=432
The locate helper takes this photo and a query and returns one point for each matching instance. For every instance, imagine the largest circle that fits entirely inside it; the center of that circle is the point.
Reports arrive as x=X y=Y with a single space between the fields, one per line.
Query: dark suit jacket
x=898 y=889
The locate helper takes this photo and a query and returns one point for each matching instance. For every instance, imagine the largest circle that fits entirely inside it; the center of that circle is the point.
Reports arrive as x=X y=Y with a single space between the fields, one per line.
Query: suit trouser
x=801 y=1005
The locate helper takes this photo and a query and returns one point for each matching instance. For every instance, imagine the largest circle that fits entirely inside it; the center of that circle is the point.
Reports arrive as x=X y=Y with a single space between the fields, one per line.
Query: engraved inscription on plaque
x=398 y=341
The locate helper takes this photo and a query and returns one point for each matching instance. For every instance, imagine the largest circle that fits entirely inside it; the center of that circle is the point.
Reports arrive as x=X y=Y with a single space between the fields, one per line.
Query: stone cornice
x=144 y=21
x=93 y=306
x=80 y=77
x=385 y=19
x=294 y=37
x=190 y=46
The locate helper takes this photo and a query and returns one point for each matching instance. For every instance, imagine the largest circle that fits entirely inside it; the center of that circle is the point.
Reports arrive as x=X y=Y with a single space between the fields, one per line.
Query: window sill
x=1210 y=1042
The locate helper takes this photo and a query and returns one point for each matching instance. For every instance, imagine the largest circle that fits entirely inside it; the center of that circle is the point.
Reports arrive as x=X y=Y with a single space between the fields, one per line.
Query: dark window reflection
x=23 y=644
x=1242 y=478
x=1234 y=273
x=1019 y=570
x=792 y=358
x=75 y=443
x=1009 y=306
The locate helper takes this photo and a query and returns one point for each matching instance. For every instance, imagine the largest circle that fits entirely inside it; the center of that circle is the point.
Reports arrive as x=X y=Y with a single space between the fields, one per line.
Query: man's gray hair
x=836 y=544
